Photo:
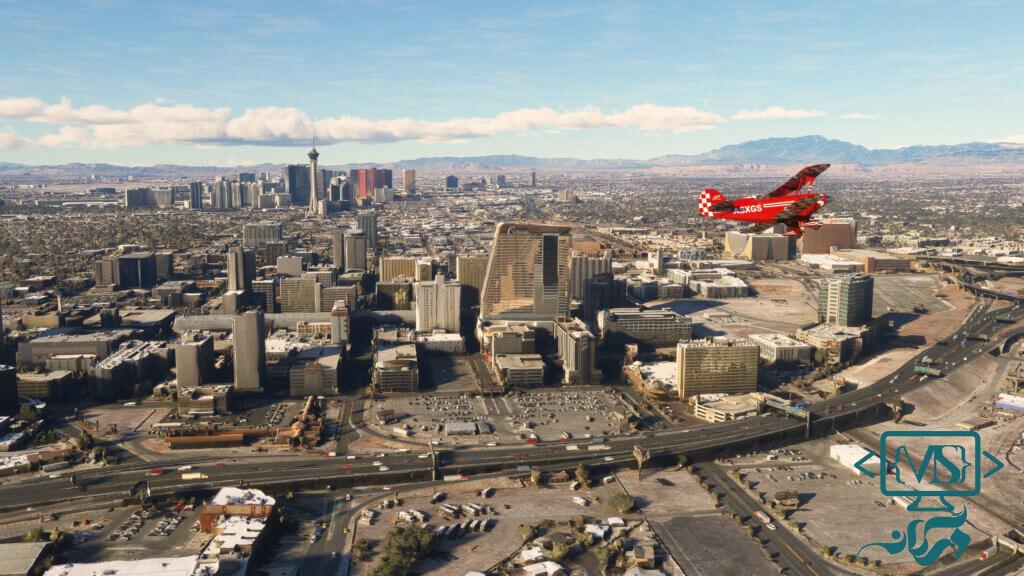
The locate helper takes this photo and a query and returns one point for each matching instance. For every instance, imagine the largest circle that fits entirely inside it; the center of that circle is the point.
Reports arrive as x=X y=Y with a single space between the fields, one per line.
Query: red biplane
x=788 y=204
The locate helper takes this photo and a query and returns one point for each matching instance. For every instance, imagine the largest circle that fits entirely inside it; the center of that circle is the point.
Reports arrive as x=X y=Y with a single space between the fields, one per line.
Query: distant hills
x=755 y=157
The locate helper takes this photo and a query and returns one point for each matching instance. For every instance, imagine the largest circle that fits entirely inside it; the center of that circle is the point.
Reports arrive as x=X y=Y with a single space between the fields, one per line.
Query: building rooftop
x=776 y=339
x=519 y=361
x=19 y=557
x=237 y=496
x=179 y=566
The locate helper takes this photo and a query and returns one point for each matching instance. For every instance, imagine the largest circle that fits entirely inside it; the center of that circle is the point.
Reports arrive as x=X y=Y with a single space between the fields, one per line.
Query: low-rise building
x=519 y=371
x=655 y=327
x=727 y=408
x=781 y=348
x=395 y=369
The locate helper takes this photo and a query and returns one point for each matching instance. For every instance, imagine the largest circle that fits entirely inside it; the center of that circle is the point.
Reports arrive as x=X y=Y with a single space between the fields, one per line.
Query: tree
x=526 y=533
x=559 y=550
x=28 y=414
x=33 y=535
x=54 y=535
x=360 y=549
x=602 y=555
x=622 y=502
x=535 y=476
x=85 y=441
x=581 y=474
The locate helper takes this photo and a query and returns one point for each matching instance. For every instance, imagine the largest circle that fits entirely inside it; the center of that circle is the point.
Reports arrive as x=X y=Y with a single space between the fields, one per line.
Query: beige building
x=716 y=366
x=528 y=273
x=577 y=347
x=470 y=271
x=437 y=305
x=300 y=295
x=757 y=247
x=409 y=180
x=519 y=370
x=392 y=267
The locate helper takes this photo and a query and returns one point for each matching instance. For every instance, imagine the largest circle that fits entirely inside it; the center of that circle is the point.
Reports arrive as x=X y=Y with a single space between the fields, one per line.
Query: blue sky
x=382 y=80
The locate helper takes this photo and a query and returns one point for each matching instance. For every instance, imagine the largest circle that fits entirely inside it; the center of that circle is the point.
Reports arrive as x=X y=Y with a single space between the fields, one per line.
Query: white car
x=770 y=526
x=609 y=459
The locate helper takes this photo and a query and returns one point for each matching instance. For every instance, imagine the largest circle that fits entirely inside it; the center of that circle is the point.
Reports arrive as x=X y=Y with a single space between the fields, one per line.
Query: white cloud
x=1015 y=139
x=858 y=116
x=777 y=113
x=153 y=123
x=9 y=140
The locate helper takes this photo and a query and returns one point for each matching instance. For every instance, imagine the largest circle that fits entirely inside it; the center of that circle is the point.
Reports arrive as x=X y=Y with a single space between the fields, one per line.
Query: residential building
x=716 y=366
x=437 y=305
x=470 y=271
x=576 y=347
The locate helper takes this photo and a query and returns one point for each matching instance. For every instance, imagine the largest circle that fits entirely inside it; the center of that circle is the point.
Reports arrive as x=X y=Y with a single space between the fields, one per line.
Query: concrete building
x=716 y=366
x=193 y=359
x=395 y=369
x=256 y=235
x=289 y=266
x=600 y=293
x=8 y=390
x=424 y=269
x=78 y=364
x=846 y=300
x=133 y=270
x=366 y=220
x=876 y=262
x=727 y=408
x=834 y=233
x=205 y=400
x=395 y=295
x=470 y=271
x=338 y=249
x=241 y=269
x=34 y=353
x=392 y=267
x=519 y=371
x=723 y=287
x=250 y=355
x=654 y=327
x=315 y=371
x=130 y=370
x=300 y=295
x=837 y=345
x=195 y=195
x=528 y=273
x=583 y=268
x=758 y=247
x=781 y=348
x=409 y=180
x=265 y=295
x=355 y=250
x=437 y=305
x=330 y=294
x=576 y=347
x=53 y=385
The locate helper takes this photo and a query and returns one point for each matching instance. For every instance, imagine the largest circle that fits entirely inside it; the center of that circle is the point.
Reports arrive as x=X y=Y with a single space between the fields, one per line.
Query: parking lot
x=548 y=414
x=131 y=533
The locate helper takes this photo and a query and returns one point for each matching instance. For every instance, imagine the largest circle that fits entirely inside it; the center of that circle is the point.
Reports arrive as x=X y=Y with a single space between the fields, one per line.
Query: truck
x=928 y=370
x=763 y=517
x=979 y=337
x=193 y=476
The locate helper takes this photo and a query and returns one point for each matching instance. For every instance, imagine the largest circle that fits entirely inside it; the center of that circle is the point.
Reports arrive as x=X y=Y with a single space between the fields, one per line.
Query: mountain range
x=754 y=157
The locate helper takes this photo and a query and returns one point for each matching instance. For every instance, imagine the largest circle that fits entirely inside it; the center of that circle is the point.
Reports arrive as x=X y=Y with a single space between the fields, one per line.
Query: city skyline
x=466 y=81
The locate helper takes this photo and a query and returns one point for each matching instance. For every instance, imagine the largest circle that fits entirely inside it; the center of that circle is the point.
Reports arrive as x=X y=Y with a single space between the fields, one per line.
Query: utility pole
x=433 y=462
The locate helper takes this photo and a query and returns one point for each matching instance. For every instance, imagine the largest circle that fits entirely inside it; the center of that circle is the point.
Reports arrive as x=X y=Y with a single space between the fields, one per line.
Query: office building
x=133 y=270
x=781 y=348
x=600 y=293
x=289 y=266
x=451 y=183
x=533 y=178
x=470 y=271
x=195 y=196
x=437 y=305
x=366 y=221
x=8 y=390
x=392 y=267
x=655 y=327
x=719 y=366
x=583 y=268
x=366 y=180
x=315 y=371
x=566 y=196
x=758 y=247
x=341 y=325
x=395 y=369
x=297 y=185
x=324 y=275
x=355 y=250
x=193 y=360
x=250 y=353
x=272 y=251
x=130 y=369
x=241 y=269
x=577 y=348
x=528 y=273
x=338 y=249
x=409 y=181
x=875 y=261
x=348 y=293
x=834 y=233
x=258 y=234
x=846 y=300
x=300 y=295
x=265 y=294
x=519 y=371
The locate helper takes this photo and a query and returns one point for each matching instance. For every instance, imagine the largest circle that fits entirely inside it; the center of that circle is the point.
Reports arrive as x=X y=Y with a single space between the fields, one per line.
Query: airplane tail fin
x=709 y=198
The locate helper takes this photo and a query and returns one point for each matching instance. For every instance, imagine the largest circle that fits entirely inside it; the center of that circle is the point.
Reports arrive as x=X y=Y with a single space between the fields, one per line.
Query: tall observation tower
x=314 y=192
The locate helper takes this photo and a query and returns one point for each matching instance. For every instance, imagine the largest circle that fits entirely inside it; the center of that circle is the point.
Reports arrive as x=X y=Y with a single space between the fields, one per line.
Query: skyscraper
x=314 y=191
x=409 y=180
x=355 y=250
x=437 y=305
x=577 y=348
x=583 y=268
x=366 y=180
x=840 y=233
x=338 y=250
x=257 y=234
x=300 y=295
x=296 y=180
x=470 y=271
x=533 y=178
x=451 y=183
x=846 y=300
x=250 y=352
x=367 y=222
x=528 y=273
x=195 y=196
x=241 y=269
